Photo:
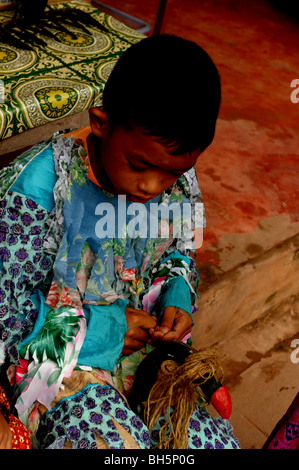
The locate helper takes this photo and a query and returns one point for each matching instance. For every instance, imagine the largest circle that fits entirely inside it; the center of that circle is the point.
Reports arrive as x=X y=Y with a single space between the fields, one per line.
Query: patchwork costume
x=66 y=280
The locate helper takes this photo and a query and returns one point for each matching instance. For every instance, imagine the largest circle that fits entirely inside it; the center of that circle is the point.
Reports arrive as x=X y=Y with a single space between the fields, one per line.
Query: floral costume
x=63 y=293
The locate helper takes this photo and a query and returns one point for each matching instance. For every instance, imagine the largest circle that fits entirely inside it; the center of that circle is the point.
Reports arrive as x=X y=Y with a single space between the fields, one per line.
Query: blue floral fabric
x=82 y=417
x=24 y=267
x=79 y=419
x=204 y=432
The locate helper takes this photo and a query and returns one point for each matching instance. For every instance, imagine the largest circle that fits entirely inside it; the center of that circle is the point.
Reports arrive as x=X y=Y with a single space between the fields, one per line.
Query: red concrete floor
x=249 y=174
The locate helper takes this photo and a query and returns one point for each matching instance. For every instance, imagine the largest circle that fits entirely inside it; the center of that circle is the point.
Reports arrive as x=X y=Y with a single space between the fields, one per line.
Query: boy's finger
x=180 y=326
x=148 y=322
x=168 y=319
x=140 y=318
x=166 y=325
x=176 y=334
x=137 y=333
x=131 y=346
x=135 y=338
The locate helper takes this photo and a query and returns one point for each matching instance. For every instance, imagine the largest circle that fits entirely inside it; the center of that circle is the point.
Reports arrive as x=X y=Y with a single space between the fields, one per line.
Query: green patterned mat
x=62 y=78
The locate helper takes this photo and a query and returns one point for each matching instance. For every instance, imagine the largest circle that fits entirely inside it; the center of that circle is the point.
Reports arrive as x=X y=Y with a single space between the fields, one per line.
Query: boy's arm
x=177 y=299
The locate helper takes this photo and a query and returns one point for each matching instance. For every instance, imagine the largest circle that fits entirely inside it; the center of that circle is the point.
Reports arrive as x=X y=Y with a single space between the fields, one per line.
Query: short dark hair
x=170 y=87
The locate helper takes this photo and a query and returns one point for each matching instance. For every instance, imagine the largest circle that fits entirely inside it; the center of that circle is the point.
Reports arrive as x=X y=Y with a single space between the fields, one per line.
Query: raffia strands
x=174 y=396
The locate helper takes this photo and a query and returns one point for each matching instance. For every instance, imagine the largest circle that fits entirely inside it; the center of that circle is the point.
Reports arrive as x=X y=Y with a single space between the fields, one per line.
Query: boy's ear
x=99 y=122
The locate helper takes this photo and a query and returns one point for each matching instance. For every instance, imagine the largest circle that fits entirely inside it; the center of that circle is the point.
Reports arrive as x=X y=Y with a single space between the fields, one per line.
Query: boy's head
x=168 y=89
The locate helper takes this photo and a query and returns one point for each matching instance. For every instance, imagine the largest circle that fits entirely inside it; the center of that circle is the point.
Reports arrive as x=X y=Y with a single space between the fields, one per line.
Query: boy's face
x=128 y=162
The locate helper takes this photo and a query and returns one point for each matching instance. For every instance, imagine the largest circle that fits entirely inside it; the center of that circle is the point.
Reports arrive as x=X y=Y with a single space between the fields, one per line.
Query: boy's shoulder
x=188 y=184
x=10 y=173
x=39 y=157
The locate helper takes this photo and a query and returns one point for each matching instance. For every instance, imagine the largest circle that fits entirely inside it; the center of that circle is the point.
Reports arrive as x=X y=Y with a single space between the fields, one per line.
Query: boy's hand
x=139 y=323
x=5 y=434
x=176 y=323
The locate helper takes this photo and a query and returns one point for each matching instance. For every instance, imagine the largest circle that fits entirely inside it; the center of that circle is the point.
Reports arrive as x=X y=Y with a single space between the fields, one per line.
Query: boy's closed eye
x=137 y=163
x=137 y=168
x=142 y=166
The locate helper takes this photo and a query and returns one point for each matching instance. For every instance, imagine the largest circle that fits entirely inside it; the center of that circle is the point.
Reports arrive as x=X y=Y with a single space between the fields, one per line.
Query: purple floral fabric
x=24 y=266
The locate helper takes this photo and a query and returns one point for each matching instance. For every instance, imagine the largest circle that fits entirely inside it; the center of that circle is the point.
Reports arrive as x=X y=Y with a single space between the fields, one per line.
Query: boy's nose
x=150 y=186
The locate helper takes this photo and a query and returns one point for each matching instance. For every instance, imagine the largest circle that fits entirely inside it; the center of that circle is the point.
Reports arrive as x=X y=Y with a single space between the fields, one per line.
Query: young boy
x=85 y=290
